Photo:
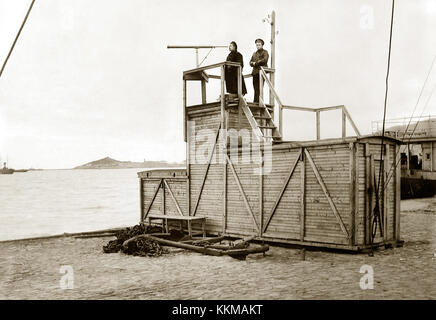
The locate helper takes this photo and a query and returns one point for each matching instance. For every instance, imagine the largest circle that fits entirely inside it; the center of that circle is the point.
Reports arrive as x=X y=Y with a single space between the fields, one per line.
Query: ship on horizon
x=6 y=170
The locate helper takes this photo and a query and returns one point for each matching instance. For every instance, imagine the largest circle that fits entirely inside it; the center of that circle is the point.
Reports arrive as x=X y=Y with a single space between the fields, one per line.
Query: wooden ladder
x=261 y=121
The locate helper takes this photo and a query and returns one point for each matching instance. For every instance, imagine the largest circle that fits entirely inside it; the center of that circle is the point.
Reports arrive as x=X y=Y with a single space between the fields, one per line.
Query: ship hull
x=418 y=184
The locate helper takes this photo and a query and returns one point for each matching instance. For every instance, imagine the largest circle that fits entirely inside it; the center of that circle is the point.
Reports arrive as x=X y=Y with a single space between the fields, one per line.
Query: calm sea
x=39 y=203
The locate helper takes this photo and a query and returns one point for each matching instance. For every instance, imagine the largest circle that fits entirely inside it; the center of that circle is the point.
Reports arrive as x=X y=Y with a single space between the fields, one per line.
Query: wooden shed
x=324 y=193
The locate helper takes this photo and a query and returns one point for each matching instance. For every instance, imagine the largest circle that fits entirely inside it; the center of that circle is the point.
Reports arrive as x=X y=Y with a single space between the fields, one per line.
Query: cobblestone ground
x=31 y=270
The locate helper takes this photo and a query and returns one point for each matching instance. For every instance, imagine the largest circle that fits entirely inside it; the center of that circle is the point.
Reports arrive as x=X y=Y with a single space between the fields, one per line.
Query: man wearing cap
x=259 y=59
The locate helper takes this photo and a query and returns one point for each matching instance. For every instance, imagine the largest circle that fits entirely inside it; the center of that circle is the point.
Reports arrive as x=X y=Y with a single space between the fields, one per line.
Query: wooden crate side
x=178 y=190
x=286 y=219
x=149 y=189
x=210 y=204
x=239 y=219
x=332 y=163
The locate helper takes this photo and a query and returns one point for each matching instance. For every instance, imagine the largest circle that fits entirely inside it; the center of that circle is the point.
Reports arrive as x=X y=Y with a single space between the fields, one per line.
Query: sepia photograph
x=232 y=152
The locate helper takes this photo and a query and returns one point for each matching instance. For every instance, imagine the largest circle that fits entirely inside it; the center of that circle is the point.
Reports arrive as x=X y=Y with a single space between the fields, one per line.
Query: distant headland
x=109 y=163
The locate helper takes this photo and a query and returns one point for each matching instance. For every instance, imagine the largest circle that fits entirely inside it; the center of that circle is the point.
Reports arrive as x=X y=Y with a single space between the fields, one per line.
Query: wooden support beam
x=344 y=124
x=299 y=108
x=163 y=197
x=397 y=193
x=152 y=200
x=141 y=200
x=241 y=191
x=261 y=86
x=188 y=175
x=223 y=101
x=351 y=121
x=203 y=92
x=239 y=81
x=386 y=168
x=206 y=171
x=282 y=191
x=261 y=192
x=224 y=223
x=184 y=111
x=318 y=129
x=302 y=196
x=366 y=217
x=173 y=197
x=212 y=66
x=276 y=96
x=352 y=188
x=326 y=193
x=329 y=108
x=371 y=195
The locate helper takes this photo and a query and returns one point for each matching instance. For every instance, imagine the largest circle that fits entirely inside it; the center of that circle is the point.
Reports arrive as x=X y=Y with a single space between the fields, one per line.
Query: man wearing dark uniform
x=259 y=59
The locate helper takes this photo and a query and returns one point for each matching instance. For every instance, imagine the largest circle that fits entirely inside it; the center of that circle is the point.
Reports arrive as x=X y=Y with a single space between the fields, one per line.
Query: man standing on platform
x=259 y=59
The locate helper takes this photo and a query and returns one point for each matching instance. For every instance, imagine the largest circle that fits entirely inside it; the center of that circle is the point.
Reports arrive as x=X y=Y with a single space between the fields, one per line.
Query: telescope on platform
x=196 y=51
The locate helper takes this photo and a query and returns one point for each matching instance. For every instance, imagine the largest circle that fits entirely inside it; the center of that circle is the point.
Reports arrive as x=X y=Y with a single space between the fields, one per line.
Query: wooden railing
x=345 y=114
x=199 y=74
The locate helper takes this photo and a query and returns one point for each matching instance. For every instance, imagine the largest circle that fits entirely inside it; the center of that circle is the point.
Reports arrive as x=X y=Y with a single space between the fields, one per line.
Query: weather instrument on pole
x=197 y=63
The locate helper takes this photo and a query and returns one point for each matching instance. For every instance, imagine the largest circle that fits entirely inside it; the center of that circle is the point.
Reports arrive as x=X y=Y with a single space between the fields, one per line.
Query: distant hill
x=109 y=163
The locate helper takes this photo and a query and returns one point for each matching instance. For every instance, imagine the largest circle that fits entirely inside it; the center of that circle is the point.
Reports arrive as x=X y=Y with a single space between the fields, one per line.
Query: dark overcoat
x=231 y=73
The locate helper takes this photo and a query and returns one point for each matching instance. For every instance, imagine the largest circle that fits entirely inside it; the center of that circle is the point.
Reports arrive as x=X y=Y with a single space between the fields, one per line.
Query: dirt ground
x=31 y=269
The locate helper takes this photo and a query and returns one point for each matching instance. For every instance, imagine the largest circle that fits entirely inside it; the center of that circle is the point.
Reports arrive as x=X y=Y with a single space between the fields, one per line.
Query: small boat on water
x=6 y=170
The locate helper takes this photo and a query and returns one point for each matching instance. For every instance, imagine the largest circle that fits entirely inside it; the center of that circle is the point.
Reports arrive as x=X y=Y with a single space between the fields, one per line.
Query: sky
x=90 y=79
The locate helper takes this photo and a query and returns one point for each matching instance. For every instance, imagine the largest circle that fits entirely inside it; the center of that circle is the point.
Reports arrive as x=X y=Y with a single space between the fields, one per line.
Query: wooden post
x=261 y=85
x=223 y=106
x=397 y=194
x=367 y=198
x=203 y=92
x=352 y=189
x=302 y=196
x=188 y=175
x=386 y=167
x=273 y=48
x=239 y=81
x=281 y=119
x=184 y=111
x=141 y=200
x=273 y=58
x=261 y=192
x=163 y=197
x=356 y=191
x=344 y=123
x=318 y=130
x=225 y=194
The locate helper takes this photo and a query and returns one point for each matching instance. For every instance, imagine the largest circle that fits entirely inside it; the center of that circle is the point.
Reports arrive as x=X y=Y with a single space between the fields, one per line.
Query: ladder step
x=262 y=117
x=256 y=106
x=267 y=127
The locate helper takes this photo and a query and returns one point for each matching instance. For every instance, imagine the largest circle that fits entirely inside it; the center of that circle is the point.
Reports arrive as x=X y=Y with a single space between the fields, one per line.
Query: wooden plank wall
x=333 y=165
x=304 y=212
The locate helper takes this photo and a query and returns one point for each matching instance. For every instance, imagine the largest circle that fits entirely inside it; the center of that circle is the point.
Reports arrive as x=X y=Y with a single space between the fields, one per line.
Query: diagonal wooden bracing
x=326 y=193
x=206 y=171
x=173 y=197
x=241 y=190
x=282 y=191
x=152 y=200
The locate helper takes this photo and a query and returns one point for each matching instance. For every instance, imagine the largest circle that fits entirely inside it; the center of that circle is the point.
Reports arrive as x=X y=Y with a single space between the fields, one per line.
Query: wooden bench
x=188 y=219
